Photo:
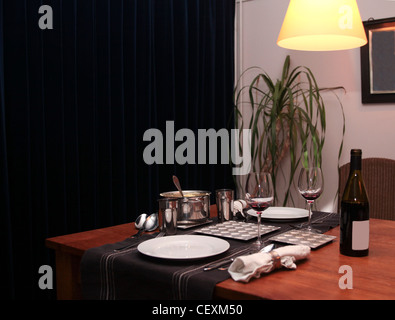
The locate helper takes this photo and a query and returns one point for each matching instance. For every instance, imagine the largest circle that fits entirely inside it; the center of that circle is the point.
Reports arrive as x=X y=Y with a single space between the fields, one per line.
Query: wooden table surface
x=373 y=277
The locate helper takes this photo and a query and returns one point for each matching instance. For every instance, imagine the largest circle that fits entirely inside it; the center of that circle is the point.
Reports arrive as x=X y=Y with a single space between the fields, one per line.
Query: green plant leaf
x=288 y=121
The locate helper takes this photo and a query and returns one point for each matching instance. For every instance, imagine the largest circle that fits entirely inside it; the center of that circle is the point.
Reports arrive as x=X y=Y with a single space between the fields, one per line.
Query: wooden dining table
x=325 y=275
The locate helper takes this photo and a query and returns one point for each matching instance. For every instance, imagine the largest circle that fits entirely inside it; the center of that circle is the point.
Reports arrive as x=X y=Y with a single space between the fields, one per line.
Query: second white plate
x=281 y=213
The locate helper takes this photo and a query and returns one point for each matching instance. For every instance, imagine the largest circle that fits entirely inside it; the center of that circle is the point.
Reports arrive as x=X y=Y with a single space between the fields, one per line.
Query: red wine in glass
x=260 y=204
x=311 y=195
x=310 y=186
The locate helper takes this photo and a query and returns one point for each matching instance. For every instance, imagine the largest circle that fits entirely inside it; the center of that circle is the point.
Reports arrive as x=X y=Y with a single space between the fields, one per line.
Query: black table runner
x=128 y=274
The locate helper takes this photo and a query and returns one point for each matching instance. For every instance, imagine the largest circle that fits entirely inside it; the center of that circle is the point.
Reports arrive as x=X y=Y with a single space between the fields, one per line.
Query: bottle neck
x=355 y=163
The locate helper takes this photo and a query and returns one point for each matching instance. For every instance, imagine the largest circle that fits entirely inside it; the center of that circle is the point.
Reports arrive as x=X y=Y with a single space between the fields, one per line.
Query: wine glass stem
x=309 y=222
x=259 y=228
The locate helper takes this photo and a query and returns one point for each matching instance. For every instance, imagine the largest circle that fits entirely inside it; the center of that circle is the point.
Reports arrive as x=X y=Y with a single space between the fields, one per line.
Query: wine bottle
x=354 y=215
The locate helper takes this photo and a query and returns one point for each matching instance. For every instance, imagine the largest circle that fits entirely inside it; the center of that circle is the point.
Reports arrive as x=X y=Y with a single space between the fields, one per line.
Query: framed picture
x=378 y=62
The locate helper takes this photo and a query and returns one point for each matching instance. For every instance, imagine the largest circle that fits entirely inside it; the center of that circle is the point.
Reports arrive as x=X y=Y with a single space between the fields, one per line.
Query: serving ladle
x=178 y=186
x=184 y=204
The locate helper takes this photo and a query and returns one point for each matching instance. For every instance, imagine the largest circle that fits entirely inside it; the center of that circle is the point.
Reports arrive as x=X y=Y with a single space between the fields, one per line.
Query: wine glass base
x=256 y=245
x=312 y=230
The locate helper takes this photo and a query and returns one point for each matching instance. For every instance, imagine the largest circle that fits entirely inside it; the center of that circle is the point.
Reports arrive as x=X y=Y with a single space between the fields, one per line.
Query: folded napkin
x=245 y=267
x=238 y=207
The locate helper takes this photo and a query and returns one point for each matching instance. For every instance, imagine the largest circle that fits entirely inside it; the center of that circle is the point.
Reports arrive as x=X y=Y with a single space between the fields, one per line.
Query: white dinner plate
x=281 y=213
x=183 y=247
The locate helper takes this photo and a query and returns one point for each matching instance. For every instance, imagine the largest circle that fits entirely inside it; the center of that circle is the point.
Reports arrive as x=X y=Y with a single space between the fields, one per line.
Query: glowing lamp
x=322 y=25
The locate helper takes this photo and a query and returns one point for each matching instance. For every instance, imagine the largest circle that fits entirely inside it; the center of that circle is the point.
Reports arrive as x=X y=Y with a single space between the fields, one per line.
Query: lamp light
x=322 y=25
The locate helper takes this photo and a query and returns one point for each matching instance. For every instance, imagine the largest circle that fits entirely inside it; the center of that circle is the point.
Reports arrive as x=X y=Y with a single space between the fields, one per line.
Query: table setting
x=169 y=260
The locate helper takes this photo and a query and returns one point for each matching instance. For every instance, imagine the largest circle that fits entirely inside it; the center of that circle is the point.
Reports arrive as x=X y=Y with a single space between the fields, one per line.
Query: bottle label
x=360 y=235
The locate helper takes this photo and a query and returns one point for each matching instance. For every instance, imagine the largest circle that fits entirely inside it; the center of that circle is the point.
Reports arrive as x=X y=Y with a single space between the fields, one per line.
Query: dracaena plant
x=287 y=122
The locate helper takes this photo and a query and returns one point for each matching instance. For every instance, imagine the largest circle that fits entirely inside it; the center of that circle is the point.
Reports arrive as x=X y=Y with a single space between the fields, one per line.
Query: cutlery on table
x=149 y=224
x=220 y=265
x=217 y=265
x=160 y=234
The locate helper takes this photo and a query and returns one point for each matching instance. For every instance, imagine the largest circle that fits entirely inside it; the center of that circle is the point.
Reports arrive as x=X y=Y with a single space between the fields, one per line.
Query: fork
x=128 y=246
x=161 y=234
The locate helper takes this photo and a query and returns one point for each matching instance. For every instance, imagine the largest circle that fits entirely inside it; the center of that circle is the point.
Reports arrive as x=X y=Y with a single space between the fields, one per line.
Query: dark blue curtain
x=75 y=103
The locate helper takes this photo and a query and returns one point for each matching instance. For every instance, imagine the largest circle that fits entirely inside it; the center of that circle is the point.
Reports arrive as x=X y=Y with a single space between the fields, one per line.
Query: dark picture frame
x=378 y=61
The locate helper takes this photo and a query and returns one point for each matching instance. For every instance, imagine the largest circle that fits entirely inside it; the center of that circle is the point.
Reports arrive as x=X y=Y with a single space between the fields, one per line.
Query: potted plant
x=287 y=122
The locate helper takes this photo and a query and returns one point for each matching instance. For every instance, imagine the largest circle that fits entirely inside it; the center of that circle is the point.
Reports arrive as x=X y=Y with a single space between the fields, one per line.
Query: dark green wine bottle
x=354 y=215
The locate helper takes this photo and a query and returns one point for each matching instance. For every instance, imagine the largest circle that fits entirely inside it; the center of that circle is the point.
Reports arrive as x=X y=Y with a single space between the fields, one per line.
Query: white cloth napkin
x=245 y=267
x=239 y=205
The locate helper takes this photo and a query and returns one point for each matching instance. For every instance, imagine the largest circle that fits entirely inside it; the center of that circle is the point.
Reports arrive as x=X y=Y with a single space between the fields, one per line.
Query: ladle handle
x=178 y=186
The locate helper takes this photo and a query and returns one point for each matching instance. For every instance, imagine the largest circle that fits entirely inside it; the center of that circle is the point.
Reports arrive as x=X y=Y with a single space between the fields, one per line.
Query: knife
x=266 y=249
x=217 y=265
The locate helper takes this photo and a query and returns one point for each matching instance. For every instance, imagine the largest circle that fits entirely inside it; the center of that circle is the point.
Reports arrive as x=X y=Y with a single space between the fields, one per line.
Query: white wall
x=369 y=127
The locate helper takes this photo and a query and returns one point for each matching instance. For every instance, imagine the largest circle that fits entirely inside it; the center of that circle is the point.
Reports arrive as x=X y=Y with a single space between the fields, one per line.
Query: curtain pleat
x=76 y=101
x=8 y=287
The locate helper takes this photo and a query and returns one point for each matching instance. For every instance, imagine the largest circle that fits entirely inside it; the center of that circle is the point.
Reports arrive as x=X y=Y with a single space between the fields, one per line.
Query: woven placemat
x=311 y=239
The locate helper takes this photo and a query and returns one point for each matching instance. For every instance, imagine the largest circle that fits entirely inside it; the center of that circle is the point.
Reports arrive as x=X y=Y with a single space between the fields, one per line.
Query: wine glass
x=259 y=195
x=310 y=186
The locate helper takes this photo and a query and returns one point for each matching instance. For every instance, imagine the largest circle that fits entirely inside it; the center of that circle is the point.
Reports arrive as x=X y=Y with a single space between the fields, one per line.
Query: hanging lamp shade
x=322 y=25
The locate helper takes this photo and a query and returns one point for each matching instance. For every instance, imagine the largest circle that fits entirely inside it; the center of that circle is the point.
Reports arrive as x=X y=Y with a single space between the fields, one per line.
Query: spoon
x=150 y=224
x=178 y=186
x=139 y=223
